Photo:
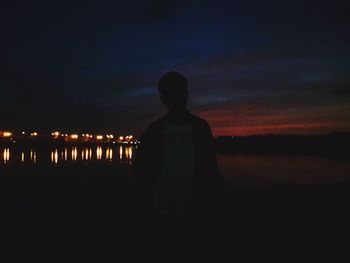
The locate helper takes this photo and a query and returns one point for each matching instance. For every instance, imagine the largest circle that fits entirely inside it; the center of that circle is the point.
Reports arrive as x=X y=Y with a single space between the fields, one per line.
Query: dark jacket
x=207 y=181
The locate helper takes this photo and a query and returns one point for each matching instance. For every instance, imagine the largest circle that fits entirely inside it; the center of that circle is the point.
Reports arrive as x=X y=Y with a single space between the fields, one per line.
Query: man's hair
x=173 y=83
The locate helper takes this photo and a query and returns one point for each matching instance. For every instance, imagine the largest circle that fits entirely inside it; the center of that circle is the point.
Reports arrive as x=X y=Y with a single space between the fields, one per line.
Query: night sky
x=253 y=67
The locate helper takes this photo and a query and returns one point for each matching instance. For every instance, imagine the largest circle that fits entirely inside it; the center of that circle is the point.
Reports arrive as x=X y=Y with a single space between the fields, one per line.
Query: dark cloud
x=162 y=10
x=340 y=92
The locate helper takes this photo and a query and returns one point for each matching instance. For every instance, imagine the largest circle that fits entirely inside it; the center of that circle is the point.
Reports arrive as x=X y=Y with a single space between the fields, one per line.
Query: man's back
x=176 y=168
x=174 y=187
x=176 y=163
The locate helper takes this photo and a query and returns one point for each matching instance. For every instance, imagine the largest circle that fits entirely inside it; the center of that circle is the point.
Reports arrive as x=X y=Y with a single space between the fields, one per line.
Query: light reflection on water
x=32 y=156
x=74 y=153
x=120 y=152
x=6 y=155
x=236 y=170
x=69 y=154
x=99 y=153
x=54 y=156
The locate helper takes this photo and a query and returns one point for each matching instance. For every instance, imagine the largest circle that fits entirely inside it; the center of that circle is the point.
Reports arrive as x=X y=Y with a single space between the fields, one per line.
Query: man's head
x=173 y=91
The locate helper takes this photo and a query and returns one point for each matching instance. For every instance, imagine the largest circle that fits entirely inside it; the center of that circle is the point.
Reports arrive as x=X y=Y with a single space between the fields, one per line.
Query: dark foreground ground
x=85 y=213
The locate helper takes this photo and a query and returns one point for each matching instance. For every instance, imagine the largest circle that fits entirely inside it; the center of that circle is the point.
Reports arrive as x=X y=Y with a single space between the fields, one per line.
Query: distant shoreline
x=334 y=144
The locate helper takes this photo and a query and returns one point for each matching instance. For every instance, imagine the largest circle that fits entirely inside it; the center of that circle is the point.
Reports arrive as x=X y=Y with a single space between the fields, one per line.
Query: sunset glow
x=243 y=121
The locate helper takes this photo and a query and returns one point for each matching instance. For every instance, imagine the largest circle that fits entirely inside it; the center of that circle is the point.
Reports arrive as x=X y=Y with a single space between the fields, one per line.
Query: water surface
x=117 y=160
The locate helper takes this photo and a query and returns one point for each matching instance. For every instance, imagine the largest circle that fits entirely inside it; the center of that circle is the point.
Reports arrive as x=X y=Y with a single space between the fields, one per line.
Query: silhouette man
x=176 y=171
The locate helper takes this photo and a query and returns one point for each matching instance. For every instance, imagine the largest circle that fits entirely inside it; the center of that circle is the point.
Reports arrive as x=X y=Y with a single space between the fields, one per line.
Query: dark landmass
x=336 y=144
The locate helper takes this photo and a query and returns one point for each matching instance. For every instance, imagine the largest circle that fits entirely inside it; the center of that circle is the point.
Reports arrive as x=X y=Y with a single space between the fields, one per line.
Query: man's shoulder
x=193 y=118
x=154 y=127
x=198 y=119
x=199 y=122
x=157 y=125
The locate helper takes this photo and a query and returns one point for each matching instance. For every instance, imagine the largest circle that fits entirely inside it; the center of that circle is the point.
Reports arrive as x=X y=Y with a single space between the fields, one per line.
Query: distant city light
x=129 y=137
x=56 y=134
x=84 y=137
x=7 y=134
x=74 y=136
